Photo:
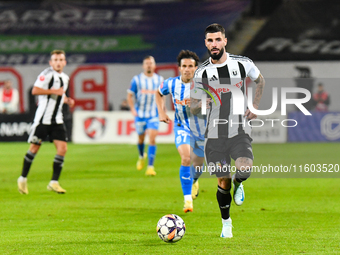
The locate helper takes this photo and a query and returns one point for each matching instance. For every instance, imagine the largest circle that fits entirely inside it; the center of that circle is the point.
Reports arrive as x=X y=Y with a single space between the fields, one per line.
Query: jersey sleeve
x=164 y=88
x=133 y=87
x=43 y=80
x=196 y=88
x=253 y=72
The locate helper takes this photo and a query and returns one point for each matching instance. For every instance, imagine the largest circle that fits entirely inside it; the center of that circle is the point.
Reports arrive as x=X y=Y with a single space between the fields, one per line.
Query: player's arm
x=130 y=101
x=160 y=102
x=258 y=95
x=195 y=105
x=69 y=101
x=40 y=91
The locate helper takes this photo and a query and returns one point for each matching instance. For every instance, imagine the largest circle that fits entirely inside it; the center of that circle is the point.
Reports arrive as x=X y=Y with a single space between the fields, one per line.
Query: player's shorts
x=143 y=124
x=182 y=136
x=198 y=145
x=39 y=133
x=218 y=153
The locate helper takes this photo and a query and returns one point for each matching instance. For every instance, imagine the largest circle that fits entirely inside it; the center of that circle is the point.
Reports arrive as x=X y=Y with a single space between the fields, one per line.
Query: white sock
x=187 y=198
x=22 y=179
x=51 y=182
x=225 y=221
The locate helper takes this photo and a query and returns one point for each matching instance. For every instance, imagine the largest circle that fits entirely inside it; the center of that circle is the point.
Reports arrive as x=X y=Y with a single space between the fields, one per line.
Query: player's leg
x=224 y=200
x=140 y=125
x=59 y=137
x=242 y=153
x=152 y=127
x=182 y=141
x=37 y=135
x=197 y=159
x=185 y=176
x=218 y=162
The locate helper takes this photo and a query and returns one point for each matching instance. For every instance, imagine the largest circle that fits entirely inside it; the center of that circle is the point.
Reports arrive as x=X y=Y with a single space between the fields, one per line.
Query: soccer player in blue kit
x=189 y=138
x=143 y=88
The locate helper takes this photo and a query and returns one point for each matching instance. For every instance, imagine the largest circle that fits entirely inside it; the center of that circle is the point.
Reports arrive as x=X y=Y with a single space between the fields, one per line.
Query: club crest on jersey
x=94 y=127
x=234 y=72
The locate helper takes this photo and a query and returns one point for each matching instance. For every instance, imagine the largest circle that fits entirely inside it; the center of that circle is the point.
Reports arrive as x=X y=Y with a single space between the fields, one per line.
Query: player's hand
x=188 y=102
x=134 y=112
x=70 y=102
x=207 y=103
x=164 y=118
x=209 y=100
x=249 y=115
x=58 y=92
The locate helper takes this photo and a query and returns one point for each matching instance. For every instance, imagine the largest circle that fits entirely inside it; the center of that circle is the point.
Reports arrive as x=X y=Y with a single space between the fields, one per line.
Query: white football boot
x=238 y=192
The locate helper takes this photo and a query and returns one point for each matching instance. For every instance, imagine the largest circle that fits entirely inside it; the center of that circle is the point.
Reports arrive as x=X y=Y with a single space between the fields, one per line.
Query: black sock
x=224 y=200
x=57 y=166
x=28 y=159
x=241 y=176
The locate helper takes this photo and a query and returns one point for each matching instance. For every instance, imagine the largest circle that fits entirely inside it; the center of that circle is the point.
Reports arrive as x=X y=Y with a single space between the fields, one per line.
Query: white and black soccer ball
x=170 y=228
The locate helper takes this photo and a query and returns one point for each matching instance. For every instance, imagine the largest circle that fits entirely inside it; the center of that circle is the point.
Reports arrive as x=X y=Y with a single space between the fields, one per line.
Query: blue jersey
x=180 y=96
x=144 y=89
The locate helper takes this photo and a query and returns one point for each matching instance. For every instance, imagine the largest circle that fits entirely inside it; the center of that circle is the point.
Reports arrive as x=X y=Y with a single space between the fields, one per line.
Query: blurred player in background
x=321 y=99
x=9 y=98
x=141 y=100
x=230 y=139
x=50 y=86
x=189 y=148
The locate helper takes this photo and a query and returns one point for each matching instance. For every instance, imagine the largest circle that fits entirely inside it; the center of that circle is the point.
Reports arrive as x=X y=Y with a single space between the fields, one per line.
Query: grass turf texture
x=111 y=208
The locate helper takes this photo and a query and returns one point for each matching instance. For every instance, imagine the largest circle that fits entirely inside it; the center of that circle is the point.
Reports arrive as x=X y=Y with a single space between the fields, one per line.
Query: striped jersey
x=144 y=89
x=180 y=96
x=49 y=109
x=222 y=122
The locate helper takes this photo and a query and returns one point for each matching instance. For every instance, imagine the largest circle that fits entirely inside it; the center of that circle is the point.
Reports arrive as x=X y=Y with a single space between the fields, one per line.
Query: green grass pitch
x=111 y=208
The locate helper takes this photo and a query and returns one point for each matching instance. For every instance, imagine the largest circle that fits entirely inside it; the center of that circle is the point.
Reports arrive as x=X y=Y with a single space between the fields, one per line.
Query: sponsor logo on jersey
x=185 y=101
x=148 y=91
x=94 y=127
x=42 y=78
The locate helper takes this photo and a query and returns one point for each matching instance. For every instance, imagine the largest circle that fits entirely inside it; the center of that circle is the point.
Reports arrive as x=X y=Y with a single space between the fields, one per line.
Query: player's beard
x=216 y=56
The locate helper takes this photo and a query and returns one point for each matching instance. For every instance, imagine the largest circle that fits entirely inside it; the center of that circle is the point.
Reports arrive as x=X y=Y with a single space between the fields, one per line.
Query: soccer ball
x=170 y=228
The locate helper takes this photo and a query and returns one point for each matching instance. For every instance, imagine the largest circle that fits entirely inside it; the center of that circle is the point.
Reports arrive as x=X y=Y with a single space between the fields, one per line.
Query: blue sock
x=186 y=180
x=195 y=172
x=151 y=154
x=141 y=149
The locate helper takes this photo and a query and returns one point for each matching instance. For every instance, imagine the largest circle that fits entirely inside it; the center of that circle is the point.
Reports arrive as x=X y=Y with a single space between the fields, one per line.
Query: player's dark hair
x=187 y=54
x=57 y=52
x=214 y=28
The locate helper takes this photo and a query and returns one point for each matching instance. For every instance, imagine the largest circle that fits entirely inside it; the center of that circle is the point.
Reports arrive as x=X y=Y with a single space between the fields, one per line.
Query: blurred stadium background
x=294 y=44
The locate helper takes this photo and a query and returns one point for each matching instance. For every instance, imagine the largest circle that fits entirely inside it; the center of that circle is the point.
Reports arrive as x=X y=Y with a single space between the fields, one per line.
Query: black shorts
x=218 y=153
x=40 y=132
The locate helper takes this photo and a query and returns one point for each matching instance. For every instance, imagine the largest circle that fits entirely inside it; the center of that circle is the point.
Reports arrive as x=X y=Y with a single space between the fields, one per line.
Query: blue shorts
x=198 y=145
x=182 y=136
x=143 y=124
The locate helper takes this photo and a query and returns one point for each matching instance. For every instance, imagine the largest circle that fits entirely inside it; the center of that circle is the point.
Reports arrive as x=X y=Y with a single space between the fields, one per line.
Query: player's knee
x=62 y=150
x=34 y=148
x=185 y=161
x=244 y=163
x=224 y=183
x=243 y=166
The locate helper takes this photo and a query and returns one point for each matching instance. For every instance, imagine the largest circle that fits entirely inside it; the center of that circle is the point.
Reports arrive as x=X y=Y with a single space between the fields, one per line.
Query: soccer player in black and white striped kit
x=50 y=86
x=227 y=134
